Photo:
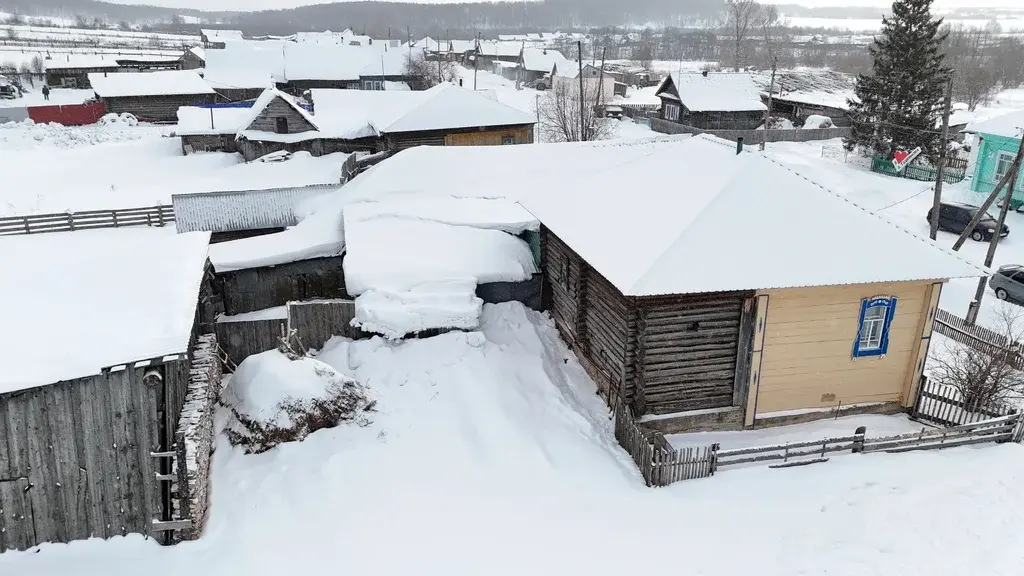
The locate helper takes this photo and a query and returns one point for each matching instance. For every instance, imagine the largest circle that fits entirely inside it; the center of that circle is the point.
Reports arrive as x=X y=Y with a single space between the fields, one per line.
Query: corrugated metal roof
x=242 y=209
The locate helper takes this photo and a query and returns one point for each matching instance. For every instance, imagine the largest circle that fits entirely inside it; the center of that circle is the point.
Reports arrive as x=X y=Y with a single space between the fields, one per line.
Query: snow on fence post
x=194 y=436
x=858 y=443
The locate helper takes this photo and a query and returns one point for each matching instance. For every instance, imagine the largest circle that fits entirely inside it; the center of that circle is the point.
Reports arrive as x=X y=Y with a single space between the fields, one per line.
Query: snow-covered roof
x=236 y=210
x=79 y=61
x=199 y=51
x=498 y=49
x=261 y=103
x=716 y=92
x=761 y=213
x=266 y=56
x=454 y=238
x=169 y=82
x=361 y=113
x=232 y=78
x=193 y=120
x=221 y=34
x=544 y=60
x=73 y=281
x=1006 y=125
x=838 y=100
x=390 y=63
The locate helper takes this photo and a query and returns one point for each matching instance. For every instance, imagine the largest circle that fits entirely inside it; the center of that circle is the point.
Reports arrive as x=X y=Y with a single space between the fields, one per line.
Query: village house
x=154 y=96
x=538 y=63
x=210 y=128
x=237 y=85
x=755 y=329
x=212 y=38
x=90 y=420
x=194 y=58
x=711 y=101
x=348 y=121
x=994 y=148
x=797 y=106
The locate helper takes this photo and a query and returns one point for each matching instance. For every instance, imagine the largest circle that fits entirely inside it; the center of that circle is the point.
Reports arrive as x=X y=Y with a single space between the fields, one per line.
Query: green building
x=996 y=142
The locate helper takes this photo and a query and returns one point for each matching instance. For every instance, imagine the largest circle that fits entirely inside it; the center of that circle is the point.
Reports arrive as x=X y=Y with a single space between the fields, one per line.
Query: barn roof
x=87 y=300
x=722 y=222
x=231 y=211
x=194 y=121
x=163 y=83
x=544 y=60
x=362 y=113
x=79 y=61
x=716 y=92
x=237 y=78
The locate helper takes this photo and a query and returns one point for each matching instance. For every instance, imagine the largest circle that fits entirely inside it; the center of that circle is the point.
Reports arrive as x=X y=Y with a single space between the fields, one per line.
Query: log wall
x=687 y=352
x=260 y=288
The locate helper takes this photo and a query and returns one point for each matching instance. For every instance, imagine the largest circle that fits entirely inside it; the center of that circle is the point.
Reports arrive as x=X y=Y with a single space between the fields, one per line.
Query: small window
x=1003 y=163
x=672 y=112
x=1018 y=277
x=876 y=316
x=282 y=125
x=378 y=85
x=508 y=140
x=367 y=85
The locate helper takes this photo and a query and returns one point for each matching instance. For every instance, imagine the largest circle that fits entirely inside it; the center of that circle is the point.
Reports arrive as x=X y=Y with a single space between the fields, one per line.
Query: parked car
x=1008 y=283
x=954 y=217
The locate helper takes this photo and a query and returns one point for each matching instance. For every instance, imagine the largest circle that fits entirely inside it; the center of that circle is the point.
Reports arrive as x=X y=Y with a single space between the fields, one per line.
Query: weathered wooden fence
x=239 y=340
x=959 y=330
x=89 y=220
x=946 y=406
x=660 y=464
x=753 y=136
x=317 y=321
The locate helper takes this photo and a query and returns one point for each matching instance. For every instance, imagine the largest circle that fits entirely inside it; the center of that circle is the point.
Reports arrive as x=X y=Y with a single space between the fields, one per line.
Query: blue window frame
x=876 y=316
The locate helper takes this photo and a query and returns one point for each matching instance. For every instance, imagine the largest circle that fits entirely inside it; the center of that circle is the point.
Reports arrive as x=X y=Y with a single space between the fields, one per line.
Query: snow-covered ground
x=490 y=453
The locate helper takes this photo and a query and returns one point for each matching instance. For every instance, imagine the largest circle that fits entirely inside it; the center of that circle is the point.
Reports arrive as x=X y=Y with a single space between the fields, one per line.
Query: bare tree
x=975 y=79
x=558 y=111
x=424 y=74
x=643 y=55
x=38 y=64
x=740 y=17
x=25 y=70
x=984 y=374
x=771 y=23
x=12 y=33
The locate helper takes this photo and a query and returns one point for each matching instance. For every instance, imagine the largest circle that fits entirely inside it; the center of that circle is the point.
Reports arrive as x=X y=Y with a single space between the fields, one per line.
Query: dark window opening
x=282 y=125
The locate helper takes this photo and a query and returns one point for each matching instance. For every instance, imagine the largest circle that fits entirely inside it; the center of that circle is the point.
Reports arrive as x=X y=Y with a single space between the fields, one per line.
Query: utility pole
x=440 y=77
x=408 y=34
x=768 y=113
x=476 y=59
x=972 y=310
x=941 y=172
x=579 y=51
x=600 y=77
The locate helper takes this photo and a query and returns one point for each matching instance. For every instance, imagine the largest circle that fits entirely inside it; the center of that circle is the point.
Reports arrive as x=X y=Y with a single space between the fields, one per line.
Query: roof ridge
x=844 y=198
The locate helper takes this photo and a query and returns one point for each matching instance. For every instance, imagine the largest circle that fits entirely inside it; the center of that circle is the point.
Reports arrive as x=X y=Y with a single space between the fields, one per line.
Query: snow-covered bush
x=777 y=123
x=118 y=120
x=276 y=399
x=815 y=122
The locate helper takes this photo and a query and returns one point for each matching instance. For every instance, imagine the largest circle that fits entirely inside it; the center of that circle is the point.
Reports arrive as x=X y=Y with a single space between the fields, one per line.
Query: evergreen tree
x=900 y=102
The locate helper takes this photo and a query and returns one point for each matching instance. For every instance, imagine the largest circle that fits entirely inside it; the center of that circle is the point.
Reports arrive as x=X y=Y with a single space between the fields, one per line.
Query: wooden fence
x=90 y=220
x=239 y=340
x=959 y=330
x=660 y=464
x=945 y=405
x=753 y=136
x=317 y=321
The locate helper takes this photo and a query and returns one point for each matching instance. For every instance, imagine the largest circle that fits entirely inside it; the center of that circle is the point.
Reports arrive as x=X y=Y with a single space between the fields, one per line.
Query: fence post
x=713 y=464
x=27 y=229
x=160 y=214
x=113 y=214
x=858 y=443
x=71 y=221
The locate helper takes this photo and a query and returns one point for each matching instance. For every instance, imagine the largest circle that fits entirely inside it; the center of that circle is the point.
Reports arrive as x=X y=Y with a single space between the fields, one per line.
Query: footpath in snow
x=490 y=453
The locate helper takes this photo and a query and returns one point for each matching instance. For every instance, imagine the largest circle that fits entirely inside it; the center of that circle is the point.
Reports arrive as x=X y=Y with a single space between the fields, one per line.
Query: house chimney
x=739 y=145
x=704 y=73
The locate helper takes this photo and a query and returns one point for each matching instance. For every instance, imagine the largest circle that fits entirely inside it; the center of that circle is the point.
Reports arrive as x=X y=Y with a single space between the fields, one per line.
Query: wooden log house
x=720 y=302
x=153 y=96
x=712 y=101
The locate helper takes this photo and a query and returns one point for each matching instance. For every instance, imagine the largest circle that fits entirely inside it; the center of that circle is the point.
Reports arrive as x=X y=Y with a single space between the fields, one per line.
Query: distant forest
x=436 y=20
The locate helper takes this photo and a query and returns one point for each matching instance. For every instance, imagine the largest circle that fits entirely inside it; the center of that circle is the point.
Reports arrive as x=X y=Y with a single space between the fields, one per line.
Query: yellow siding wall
x=489 y=138
x=808 y=345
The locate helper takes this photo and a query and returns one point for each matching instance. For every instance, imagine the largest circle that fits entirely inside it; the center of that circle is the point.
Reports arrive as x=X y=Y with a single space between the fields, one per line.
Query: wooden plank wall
x=75 y=462
x=687 y=349
x=266 y=121
x=490 y=136
x=243 y=339
x=155 y=108
x=317 y=321
x=562 y=268
x=260 y=288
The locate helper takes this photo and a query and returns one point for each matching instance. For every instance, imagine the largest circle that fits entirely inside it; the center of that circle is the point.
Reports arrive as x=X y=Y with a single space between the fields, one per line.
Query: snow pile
x=815 y=121
x=446 y=304
x=110 y=128
x=276 y=399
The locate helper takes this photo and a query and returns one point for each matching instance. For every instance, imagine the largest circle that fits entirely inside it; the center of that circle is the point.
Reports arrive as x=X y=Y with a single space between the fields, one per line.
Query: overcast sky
x=947 y=4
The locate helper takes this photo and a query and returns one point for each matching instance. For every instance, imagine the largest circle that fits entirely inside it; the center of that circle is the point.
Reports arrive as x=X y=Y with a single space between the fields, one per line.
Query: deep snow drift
x=491 y=454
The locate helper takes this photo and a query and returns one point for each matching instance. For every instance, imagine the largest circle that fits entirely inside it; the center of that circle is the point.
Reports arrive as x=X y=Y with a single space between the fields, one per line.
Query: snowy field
x=490 y=453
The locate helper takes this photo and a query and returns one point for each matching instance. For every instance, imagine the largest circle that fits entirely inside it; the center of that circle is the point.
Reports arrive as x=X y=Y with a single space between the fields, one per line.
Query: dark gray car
x=1008 y=283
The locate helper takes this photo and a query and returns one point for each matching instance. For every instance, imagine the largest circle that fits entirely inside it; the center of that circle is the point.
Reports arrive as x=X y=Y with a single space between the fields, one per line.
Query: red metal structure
x=68 y=115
